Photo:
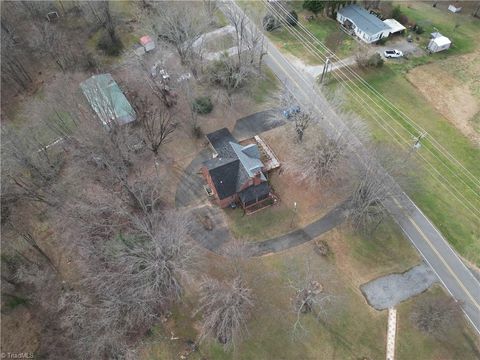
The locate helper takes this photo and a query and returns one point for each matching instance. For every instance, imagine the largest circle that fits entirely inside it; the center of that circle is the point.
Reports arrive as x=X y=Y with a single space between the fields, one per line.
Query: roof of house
x=220 y=140
x=254 y=192
x=107 y=99
x=441 y=40
x=394 y=25
x=251 y=163
x=144 y=40
x=224 y=177
x=367 y=22
x=229 y=150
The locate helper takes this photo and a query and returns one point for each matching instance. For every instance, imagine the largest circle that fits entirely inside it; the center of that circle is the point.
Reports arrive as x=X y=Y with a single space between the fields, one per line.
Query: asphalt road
x=451 y=271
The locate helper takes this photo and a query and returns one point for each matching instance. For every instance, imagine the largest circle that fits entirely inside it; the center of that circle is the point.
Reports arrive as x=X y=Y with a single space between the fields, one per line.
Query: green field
x=325 y=29
x=413 y=344
x=458 y=224
x=461 y=28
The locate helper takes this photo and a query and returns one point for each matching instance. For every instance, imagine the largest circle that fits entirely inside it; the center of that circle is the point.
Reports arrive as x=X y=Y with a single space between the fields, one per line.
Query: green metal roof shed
x=107 y=100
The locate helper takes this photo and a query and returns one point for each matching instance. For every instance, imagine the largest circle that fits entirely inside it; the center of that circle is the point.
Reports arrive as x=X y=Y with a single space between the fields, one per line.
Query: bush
x=269 y=22
x=321 y=248
x=110 y=44
x=364 y=60
x=197 y=131
x=315 y=6
x=292 y=18
x=202 y=105
x=375 y=60
x=403 y=19
x=418 y=29
x=396 y=13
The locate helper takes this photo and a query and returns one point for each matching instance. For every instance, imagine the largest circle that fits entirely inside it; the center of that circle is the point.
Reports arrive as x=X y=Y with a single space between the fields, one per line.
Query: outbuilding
x=366 y=26
x=147 y=43
x=107 y=100
x=454 y=8
x=439 y=43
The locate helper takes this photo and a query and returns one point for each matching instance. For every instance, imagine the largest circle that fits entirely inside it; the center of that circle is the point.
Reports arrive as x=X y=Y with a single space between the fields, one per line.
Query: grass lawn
x=458 y=224
x=460 y=341
x=462 y=29
x=264 y=87
x=325 y=29
x=366 y=257
x=262 y=225
x=352 y=329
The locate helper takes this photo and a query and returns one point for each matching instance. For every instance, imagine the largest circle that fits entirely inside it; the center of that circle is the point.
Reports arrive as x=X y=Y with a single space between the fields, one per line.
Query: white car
x=393 y=53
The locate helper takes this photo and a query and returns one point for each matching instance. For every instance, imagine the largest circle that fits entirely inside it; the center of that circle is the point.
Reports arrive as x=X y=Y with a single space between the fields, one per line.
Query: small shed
x=454 y=8
x=147 y=43
x=107 y=100
x=439 y=43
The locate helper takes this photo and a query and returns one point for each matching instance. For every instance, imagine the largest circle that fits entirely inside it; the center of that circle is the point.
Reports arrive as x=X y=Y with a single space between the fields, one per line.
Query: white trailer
x=439 y=43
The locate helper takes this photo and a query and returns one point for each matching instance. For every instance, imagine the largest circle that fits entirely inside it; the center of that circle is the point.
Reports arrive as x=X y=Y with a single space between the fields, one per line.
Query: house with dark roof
x=366 y=26
x=235 y=173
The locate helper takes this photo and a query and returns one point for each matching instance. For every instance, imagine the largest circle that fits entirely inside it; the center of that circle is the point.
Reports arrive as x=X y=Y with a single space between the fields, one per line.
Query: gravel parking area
x=388 y=291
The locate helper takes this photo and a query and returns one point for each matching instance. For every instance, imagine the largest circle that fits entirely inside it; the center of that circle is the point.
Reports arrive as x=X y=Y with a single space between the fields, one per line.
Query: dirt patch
x=19 y=331
x=312 y=203
x=450 y=88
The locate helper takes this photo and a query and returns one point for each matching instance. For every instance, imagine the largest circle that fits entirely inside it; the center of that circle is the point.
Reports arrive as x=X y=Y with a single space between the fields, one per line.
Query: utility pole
x=417 y=144
x=325 y=69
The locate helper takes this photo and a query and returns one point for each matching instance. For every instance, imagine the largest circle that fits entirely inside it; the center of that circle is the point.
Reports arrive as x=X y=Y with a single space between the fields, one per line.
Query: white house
x=366 y=26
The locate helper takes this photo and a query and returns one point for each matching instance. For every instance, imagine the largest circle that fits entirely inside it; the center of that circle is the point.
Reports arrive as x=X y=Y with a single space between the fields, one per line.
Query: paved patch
x=190 y=189
x=211 y=239
x=257 y=123
x=388 y=291
x=300 y=236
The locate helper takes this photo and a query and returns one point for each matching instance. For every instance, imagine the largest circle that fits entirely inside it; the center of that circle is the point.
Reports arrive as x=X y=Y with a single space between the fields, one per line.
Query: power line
x=405 y=117
x=309 y=46
x=320 y=56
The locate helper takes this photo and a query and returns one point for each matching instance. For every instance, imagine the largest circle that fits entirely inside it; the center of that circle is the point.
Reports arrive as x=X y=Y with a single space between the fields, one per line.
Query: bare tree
x=14 y=70
x=225 y=309
x=180 y=26
x=323 y=156
x=310 y=298
x=99 y=13
x=232 y=72
x=373 y=188
x=152 y=267
x=210 y=7
x=190 y=92
x=51 y=40
x=301 y=122
x=301 y=119
x=131 y=279
x=31 y=165
x=157 y=123
x=435 y=316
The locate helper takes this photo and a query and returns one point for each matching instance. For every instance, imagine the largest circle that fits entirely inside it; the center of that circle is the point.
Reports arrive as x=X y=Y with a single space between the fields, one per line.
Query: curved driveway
x=450 y=269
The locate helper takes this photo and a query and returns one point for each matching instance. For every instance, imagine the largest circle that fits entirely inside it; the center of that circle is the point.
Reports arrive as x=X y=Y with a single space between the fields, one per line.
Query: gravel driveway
x=388 y=291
